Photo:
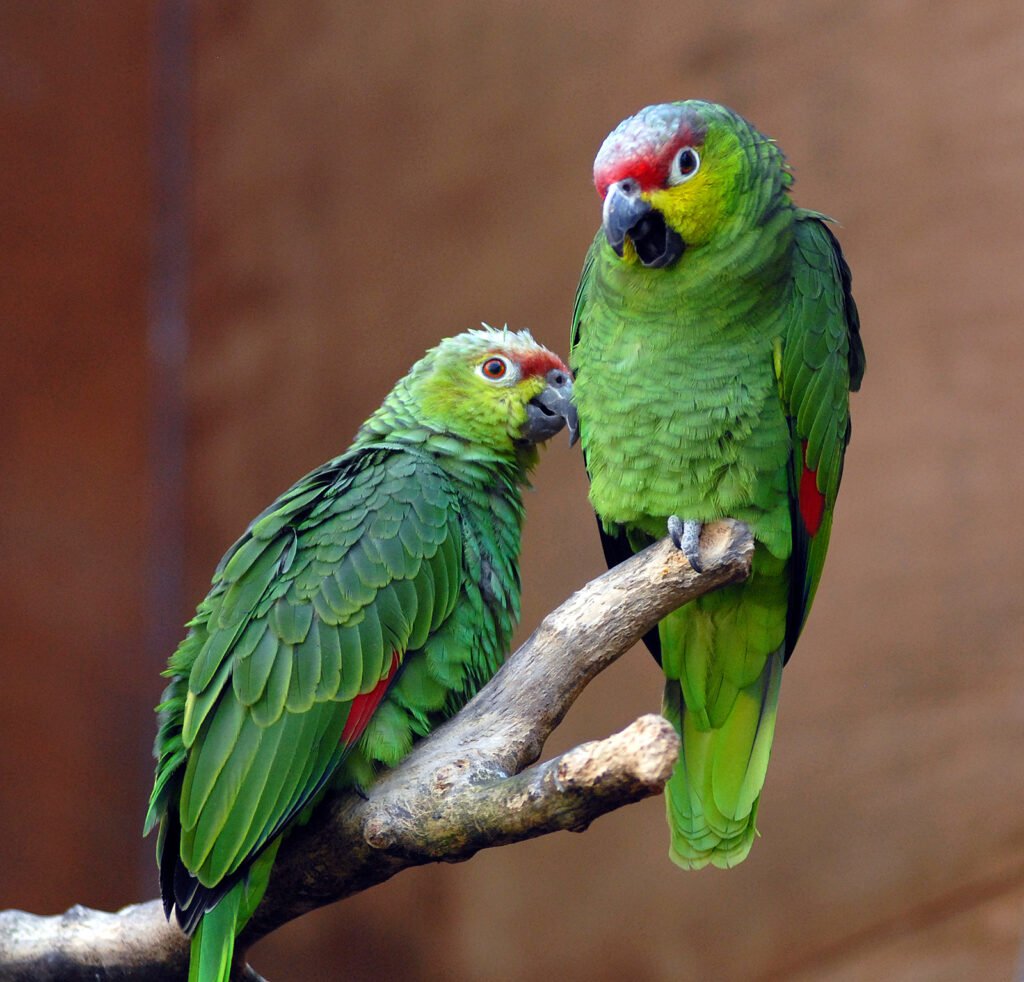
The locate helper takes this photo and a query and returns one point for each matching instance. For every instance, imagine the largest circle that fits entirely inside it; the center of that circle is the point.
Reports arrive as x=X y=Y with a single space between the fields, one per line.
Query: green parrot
x=734 y=308
x=358 y=611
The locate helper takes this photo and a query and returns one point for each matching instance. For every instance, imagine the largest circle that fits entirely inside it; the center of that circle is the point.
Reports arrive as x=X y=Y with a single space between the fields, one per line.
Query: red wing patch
x=364 y=706
x=812 y=501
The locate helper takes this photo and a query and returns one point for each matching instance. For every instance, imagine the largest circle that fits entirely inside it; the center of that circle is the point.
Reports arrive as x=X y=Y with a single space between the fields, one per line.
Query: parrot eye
x=684 y=166
x=494 y=369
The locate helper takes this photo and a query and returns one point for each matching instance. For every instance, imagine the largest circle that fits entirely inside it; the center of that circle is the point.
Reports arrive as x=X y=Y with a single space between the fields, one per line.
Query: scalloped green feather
x=234 y=840
x=215 y=647
x=305 y=674
x=427 y=607
x=399 y=563
x=330 y=603
x=197 y=707
x=375 y=659
x=268 y=527
x=242 y=560
x=251 y=670
x=312 y=757
x=395 y=621
x=330 y=660
x=203 y=767
x=268 y=708
x=218 y=807
x=371 y=575
x=445 y=579
x=355 y=592
x=267 y=810
x=244 y=594
x=290 y=621
x=351 y=662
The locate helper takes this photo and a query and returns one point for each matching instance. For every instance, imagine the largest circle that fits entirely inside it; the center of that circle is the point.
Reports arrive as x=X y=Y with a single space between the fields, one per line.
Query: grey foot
x=686 y=536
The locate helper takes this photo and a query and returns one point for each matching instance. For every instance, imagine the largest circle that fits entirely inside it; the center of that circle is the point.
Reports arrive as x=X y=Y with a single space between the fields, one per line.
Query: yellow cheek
x=531 y=388
x=505 y=405
x=693 y=209
x=516 y=398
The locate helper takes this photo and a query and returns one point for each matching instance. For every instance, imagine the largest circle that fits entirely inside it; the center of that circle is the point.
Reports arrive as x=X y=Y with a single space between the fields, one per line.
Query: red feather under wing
x=812 y=501
x=364 y=706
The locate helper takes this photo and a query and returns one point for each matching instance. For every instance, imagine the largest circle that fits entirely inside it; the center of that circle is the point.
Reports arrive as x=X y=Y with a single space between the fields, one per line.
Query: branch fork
x=470 y=785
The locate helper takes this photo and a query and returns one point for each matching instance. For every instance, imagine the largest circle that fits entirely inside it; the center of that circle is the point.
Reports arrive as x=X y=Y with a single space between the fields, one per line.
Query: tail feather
x=713 y=794
x=213 y=944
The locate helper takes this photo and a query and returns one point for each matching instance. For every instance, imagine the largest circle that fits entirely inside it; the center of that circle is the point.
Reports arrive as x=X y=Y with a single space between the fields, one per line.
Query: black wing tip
x=196 y=900
x=856 y=357
x=180 y=892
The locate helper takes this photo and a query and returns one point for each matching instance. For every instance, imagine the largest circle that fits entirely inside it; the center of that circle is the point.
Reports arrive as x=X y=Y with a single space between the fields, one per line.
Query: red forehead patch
x=642 y=147
x=539 y=363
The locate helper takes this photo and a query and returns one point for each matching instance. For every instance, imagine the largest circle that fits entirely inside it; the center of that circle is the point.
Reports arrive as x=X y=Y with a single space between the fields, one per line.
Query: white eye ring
x=685 y=164
x=495 y=368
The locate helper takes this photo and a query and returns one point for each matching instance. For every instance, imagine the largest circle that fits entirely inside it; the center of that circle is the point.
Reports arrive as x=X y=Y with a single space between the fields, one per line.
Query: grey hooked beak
x=551 y=409
x=623 y=209
x=626 y=213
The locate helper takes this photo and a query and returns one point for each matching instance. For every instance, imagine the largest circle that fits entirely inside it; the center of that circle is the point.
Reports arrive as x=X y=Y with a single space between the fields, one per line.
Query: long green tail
x=712 y=796
x=213 y=944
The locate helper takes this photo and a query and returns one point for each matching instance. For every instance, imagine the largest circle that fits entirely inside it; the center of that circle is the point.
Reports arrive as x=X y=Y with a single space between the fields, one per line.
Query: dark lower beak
x=626 y=213
x=550 y=410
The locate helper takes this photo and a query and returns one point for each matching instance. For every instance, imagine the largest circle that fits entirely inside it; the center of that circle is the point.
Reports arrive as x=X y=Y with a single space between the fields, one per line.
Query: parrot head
x=499 y=389
x=681 y=175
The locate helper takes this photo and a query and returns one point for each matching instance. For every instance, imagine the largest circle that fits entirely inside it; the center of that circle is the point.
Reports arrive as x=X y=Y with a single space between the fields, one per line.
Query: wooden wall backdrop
x=368 y=178
x=74 y=261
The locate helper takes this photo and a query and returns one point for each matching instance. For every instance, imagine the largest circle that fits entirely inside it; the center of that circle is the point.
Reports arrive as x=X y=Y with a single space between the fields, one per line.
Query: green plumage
x=359 y=610
x=699 y=382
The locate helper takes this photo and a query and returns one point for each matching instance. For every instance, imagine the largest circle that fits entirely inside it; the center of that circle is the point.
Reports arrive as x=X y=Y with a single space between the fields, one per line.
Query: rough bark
x=469 y=786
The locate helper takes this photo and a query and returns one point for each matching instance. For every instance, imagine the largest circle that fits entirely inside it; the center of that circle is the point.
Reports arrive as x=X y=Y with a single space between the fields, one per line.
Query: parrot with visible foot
x=358 y=611
x=715 y=343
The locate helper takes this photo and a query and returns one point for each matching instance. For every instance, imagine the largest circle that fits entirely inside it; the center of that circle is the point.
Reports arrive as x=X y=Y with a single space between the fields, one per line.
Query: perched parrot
x=364 y=606
x=733 y=307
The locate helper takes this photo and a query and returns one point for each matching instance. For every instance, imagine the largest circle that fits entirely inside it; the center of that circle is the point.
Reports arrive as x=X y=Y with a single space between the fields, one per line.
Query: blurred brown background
x=226 y=230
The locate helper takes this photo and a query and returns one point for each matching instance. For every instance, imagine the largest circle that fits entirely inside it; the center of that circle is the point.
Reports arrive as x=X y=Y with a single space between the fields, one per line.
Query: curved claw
x=686 y=537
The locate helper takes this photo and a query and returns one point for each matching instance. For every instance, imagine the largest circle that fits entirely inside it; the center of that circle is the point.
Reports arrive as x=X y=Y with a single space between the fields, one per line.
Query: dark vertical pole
x=168 y=338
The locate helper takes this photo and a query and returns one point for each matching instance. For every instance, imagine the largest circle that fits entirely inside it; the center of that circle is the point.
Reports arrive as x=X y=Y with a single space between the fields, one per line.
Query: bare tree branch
x=469 y=786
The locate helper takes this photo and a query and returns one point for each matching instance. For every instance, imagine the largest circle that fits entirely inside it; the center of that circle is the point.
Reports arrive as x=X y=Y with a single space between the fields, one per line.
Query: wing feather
x=313 y=608
x=822 y=362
